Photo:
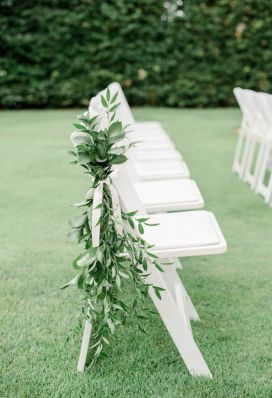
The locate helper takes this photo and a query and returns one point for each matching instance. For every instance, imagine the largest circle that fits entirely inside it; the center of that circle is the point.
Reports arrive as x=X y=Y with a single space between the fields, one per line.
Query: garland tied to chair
x=114 y=258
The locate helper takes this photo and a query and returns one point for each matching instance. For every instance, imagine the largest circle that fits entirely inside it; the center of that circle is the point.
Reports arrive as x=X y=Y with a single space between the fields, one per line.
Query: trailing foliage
x=120 y=259
x=173 y=53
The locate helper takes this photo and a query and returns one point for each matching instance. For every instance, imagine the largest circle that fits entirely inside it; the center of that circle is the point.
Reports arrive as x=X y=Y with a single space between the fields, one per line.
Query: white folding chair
x=178 y=234
x=153 y=142
x=264 y=182
x=245 y=132
x=258 y=138
x=183 y=234
x=147 y=128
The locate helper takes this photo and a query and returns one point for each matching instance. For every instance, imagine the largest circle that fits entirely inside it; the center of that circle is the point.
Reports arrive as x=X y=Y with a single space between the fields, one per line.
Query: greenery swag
x=120 y=260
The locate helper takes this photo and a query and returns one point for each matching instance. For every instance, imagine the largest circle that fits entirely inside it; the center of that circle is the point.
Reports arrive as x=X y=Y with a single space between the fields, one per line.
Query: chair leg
x=245 y=156
x=265 y=190
x=175 y=316
x=177 y=327
x=255 y=156
x=181 y=301
x=84 y=347
x=193 y=314
x=177 y=264
x=174 y=282
x=238 y=153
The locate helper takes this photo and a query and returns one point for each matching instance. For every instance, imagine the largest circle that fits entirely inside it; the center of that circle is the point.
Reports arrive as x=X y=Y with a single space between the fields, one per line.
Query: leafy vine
x=120 y=260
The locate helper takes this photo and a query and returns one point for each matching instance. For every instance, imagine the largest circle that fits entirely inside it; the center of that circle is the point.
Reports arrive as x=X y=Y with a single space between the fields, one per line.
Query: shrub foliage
x=170 y=53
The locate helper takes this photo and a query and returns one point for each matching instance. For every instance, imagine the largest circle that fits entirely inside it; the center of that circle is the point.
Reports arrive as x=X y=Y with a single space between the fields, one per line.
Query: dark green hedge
x=60 y=52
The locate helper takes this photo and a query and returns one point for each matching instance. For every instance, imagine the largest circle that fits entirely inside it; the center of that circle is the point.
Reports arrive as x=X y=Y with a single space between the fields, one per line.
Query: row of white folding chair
x=203 y=233
x=155 y=156
x=252 y=161
x=178 y=192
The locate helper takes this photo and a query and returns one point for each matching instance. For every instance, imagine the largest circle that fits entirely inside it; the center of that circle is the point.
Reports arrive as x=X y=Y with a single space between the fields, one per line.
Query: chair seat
x=169 y=195
x=160 y=170
x=156 y=154
x=183 y=234
x=162 y=143
x=148 y=125
x=149 y=135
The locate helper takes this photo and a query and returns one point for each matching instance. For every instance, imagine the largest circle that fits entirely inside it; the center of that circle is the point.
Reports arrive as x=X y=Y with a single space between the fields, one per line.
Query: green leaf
x=71 y=153
x=142 y=219
x=118 y=159
x=157 y=265
x=145 y=265
x=73 y=282
x=80 y=138
x=108 y=94
x=113 y=139
x=89 y=194
x=132 y=213
x=87 y=259
x=104 y=102
x=158 y=291
x=131 y=223
x=74 y=235
x=111 y=325
x=118 y=280
x=115 y=127
x=80 y=204
x=126 y=276
x=114 y=97
x=152 y=255
x=80 y=127
x=141 y=228
x=78 y=221
x=113 y=116
x=114 y=107
x=117 y=151
x=83 y=157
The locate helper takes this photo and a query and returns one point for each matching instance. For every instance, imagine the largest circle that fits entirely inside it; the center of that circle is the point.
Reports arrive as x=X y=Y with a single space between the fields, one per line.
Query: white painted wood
x=253 y=164
x=160 y=170
x=155 y=154
x=169 y=195
x=177 y=327
x=265 y=190
x=252 y=159
x=177 y=264
x=179 y=234
x=174 y=282
x=84 y=347
x=182 y=305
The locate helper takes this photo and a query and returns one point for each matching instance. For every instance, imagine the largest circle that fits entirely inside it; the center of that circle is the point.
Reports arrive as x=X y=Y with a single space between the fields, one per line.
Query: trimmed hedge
x=58 y=53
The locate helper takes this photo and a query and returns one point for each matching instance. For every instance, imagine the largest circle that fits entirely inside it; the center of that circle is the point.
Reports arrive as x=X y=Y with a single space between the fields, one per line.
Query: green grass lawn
x=232 y=292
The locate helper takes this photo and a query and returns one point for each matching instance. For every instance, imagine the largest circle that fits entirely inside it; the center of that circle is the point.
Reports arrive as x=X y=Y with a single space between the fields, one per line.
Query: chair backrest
x=264 y=103
x=129 y=198
x=120 y=115
x=123 y=111
x=259 y=113
x=240 y=96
